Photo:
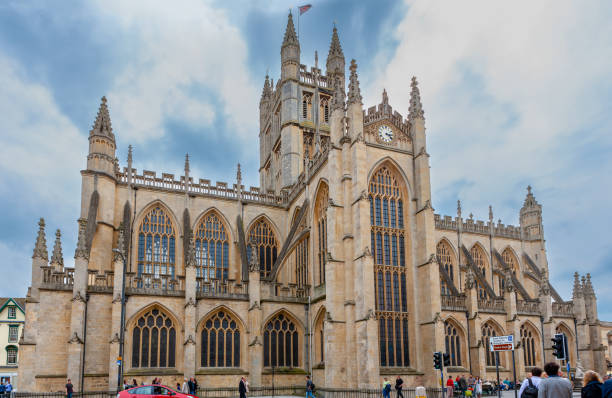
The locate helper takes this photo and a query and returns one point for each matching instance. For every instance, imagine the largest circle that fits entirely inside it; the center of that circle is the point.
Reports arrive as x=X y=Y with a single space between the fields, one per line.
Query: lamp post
x=122 y=331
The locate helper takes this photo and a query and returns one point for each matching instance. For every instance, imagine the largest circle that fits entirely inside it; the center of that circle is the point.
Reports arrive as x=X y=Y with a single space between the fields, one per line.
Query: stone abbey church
x=336 y=266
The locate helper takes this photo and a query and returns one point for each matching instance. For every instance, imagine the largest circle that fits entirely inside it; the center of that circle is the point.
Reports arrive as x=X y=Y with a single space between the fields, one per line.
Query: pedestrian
x=2 y=388
x=134 y=383
x=195 y=385
x=478 y=387
x=592 y=385
x=69 y=388
x=607 y=388
x=178 y=386
x=463 y=385
x=8 y=387
x=185 y=388
x=386 y=388
x=309 y=388
x=450 y=386
x=399 y=384
x=554 y=386
x=242 y=388
x=471 y=382
x=246 y=384
x=529 y=388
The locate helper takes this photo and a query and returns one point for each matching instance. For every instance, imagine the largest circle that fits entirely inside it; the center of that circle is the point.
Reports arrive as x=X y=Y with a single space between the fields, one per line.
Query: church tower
x=335 y=60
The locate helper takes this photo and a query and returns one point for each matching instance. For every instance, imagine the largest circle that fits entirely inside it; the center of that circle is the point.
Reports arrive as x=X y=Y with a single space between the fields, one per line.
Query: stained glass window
x=220 y=327
x=281 y=342
x=156 y=247
x=452 y=338
x=321 y=221
x=263 y=235
x=154 y=341
x=212 y=249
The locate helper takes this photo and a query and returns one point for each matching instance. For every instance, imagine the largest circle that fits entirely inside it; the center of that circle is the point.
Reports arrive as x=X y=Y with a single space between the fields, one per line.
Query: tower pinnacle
x=335 y=57
x=415 y=111
x=290 y=52
x=102 y=125
x=354 y=94
x=40 y=248
x=187 y=169
x=57 y=258
x=290 y=35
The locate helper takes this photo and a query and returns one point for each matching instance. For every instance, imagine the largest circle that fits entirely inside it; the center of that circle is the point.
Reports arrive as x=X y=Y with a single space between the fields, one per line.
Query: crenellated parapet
x=471 y=225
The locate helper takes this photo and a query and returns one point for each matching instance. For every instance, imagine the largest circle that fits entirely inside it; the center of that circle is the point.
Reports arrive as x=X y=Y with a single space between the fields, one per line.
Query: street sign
x=119 y=362
x=501 y=343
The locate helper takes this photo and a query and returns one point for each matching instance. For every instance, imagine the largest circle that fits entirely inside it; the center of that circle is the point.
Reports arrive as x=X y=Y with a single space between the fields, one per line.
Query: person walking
x=8 y=388
x=134 y=383
x=607 y=388
x=399 y=384
x=309 y=388
x=242 y=388
x=191 y=385
x=463 y=385
x=478 y=387
x=185 y=387
x=592 y=385
x=386 y=388
x=529 y=388
x=69 y=389
x=554 y=386
x=450 y=386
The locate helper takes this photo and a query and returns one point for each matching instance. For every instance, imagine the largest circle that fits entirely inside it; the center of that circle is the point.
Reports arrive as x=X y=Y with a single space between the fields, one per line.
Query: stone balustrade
x=530 y=307
x=274 y=291
x=100 y=282
x=216 y=288
x=154 y=284
x=453 y=303
x=565 y=309
x=495 y=305
x=57 y=280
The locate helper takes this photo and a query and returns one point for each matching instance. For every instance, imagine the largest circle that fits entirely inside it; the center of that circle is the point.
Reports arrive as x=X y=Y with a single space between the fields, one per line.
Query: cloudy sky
x=515 y=93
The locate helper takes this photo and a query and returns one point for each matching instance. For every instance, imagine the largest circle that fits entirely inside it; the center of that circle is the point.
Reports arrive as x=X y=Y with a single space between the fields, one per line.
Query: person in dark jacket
x=242 y=388
x=399 y=384
x=607 y=388
x=463 y=385
x=592 y=385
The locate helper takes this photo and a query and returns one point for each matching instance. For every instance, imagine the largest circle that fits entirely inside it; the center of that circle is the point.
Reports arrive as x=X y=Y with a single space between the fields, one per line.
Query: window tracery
x=528 y=342
x=156 y=246
x=220 y=341
x=561 y=329
x=281 y=342
x=447 y=259
x=212 y=249
x=154 y=341
x=480 y=260
x=387 y=240
x=488 y=331
x=262 y=237
x=452 y=339
x=321 y=219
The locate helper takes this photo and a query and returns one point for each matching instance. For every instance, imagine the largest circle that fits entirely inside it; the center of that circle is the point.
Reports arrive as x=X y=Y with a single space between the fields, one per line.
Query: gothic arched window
x=528 y=342
x=154 y=341
x=480 y=260
x=488 y=331
x=319 y=335
x=388 y=247
x=306 y=106
x=156 y=246
x=262 y=235
x=447 y=259
x=281 y=342
x=212 y=249
x=452 y=339
x=510 y=259
x=220 y=341
x=321 y=219
x=562 y=329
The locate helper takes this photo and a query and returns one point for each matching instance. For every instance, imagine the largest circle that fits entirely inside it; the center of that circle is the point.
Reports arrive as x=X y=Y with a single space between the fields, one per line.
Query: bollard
x=420 y=392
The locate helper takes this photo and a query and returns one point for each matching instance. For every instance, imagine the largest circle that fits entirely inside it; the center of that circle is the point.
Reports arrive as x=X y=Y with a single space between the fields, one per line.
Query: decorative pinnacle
x=290 y=35
x=102 y=125
x=40 y=248
x=57 y=257
x=589 y=287
x=459 y=208
x=239 y=175
x=530 y=200
x=338 y=100
x=81 y=249
x=491 y=213
x=385 y=97
x=354 y=94
x=187 y=164
x=335 y=49
x=129 y=159
x=267 y=89
x=415 y=111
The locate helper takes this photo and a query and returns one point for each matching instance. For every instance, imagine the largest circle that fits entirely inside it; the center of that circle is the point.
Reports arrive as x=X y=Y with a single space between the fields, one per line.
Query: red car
x=153 y=391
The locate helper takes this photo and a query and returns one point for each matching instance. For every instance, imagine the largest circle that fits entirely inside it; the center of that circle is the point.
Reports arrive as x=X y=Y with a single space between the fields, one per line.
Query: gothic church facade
x=336 y=266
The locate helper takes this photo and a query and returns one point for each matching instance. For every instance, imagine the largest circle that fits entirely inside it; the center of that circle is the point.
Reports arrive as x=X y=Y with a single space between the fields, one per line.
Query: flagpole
x=299 y=13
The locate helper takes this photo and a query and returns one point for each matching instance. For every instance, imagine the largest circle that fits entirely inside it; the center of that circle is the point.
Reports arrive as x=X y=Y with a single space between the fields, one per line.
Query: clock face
x=385 y=133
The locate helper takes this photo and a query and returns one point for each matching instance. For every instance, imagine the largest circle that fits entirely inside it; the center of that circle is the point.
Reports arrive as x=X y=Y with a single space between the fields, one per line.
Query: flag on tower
x=304 y=8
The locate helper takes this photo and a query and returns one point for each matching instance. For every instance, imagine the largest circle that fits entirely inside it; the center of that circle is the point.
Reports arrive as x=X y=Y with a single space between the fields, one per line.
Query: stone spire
x=338 y=100
x=415 y=111
x=187 y=169
x=40 y=248
x=102 y=125
x=57 y=258
x=589 y=286
x=530 y=200
x=577 y=291
x=491 y=214
x=81 y=249
x=531 y=217
x=290 y=35
x=290 y=52
x=458 y=208
x=267 y=89
x=354 y=94
x=335 y=57
x=239 y=176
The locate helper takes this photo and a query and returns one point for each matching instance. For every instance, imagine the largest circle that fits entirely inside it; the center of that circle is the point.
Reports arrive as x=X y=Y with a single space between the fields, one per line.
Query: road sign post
x=502 y=343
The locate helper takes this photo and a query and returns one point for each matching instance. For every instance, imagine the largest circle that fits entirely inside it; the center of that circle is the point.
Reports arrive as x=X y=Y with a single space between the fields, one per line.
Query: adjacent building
x=337 y=265
x=12 y=318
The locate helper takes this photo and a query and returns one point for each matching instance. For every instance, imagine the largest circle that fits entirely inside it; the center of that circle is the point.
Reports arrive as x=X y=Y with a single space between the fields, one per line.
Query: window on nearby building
x=262 y=235
x=447 y=259
x=220 y=341
x=321 y=219
x=480 y=260
x=452 y=339
x=11 y=355
x=156 y=247
x=528 y=342
x=212 y=249
x=488 y=331
x=281 y=342
x=387 y=240
x=13 y=333
x=12 y=312
x=154 y=341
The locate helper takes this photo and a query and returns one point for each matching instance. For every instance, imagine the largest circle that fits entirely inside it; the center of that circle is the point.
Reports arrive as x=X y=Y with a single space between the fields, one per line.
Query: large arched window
x=447 y=259
x=154 y=341
x=388 y=247
x=510 y=259
x=212 y=249
x=480 y=259
x=488 y=331
x=281 y=342
x=220 y=341
x=452 y=339
x=529 y=344
x=320 y=211
x=262 y=236
x=156 y=246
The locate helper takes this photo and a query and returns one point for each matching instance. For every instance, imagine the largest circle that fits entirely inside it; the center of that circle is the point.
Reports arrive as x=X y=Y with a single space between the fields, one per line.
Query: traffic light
x=559 y=346
x=437 y=360
x=446 y=359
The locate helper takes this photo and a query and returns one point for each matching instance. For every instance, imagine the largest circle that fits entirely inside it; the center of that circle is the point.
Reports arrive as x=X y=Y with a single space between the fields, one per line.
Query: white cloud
x=514 y=93
x=16 y=269
x=185 y=59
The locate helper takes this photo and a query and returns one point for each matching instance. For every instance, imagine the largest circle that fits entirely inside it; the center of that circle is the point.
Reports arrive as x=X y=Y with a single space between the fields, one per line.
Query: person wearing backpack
x=529 y=388
x=386 y=390
x=310 y=387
